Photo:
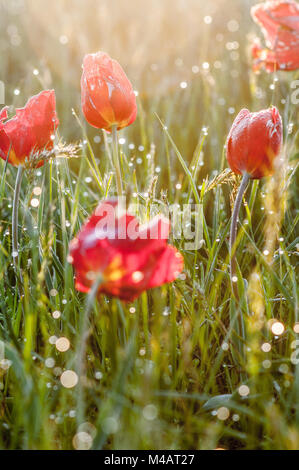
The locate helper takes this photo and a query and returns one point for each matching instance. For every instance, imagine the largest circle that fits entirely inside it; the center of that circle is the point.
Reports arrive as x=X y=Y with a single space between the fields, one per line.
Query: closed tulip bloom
x=254 y=142
x=107 y=96
x=30 y=131
x=279 y=21
x=129 y=258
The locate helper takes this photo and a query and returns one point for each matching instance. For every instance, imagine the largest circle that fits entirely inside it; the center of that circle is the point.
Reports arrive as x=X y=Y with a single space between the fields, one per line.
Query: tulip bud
x=254 y=142
x=107 y=96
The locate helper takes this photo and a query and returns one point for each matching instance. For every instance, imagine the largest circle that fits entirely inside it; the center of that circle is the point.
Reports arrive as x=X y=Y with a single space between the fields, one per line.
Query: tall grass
x=166 y=371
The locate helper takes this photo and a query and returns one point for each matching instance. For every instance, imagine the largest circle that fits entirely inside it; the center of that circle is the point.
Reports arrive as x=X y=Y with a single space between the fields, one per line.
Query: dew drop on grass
x=69 y=379
x=277 y=328
x=98 y=375
x=266 y=347
x=62 y=344
x=34 y=203
x=37 y=191
x=223 y=413
x=53 y=339
x=244 y=390
x=150 y=412
x=50 y=363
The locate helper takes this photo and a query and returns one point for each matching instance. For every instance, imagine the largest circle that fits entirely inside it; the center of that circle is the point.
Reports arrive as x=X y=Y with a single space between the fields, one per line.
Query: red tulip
x=279 y=21
x=30 y=131
x=254 y=141
x=107 y=95
x=130 y=258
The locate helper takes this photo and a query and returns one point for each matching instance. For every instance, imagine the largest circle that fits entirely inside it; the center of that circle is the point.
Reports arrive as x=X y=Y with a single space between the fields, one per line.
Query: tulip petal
x=3 y=114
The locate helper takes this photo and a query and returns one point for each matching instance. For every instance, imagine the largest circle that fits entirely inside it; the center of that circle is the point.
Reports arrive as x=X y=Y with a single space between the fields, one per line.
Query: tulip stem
x=15 y=220
x=116 y=161
x=233 y=234
x=83 y=338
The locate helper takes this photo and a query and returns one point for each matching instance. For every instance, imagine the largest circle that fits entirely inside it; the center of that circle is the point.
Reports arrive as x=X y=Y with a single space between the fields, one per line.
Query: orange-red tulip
x=254 y=141
x=30 y=131
x=107 y=95
x=130 y=258
x=279 y=21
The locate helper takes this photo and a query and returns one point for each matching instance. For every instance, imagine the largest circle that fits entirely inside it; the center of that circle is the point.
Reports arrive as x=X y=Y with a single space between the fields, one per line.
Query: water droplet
x=69 y=379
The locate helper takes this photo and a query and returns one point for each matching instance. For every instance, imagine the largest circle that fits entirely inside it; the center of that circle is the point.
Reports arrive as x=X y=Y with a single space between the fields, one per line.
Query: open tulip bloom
x=23 y=138
x=30 y=131
x=127 y=258
x=279 y=21
x=253 y=143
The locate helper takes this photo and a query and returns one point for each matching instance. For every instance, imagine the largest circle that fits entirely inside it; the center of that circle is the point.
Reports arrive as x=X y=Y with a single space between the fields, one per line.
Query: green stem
x=83 y=337
x=116 y=161
x=233 y=234
x=240 y=344
x=15 y=218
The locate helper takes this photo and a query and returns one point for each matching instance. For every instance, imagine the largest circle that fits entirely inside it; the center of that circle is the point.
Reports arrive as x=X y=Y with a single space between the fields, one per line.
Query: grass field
x=168 y=371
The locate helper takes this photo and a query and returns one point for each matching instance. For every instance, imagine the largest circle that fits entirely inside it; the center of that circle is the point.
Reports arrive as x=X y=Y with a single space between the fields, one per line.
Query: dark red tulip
x=129 y=257
x=107 y=95
x=254 y=141
x=30 y=131
x=279 y=21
